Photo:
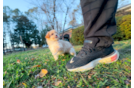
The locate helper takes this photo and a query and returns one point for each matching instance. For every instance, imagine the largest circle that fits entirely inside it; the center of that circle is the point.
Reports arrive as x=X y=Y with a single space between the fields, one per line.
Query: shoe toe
x=68 y=65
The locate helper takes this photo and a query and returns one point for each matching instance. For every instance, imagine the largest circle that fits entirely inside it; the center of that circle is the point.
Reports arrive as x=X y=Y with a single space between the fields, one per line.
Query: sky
x=25 y=5
x=22 y=5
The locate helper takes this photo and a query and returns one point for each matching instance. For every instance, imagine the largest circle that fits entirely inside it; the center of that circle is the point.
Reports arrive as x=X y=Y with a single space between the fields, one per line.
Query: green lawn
x=21 y=75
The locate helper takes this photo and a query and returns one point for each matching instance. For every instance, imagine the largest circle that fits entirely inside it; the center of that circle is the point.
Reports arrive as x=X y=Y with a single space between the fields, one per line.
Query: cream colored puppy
x=58 y=47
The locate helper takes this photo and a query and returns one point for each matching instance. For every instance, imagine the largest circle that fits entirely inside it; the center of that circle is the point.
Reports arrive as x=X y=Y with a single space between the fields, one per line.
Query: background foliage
x=123 y=30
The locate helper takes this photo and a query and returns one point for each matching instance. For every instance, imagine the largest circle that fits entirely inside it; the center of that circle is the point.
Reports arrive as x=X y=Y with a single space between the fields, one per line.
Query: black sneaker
x=89 y=57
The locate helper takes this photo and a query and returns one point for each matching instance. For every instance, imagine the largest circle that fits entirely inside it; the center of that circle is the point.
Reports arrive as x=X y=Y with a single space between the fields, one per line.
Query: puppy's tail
x=72 y=51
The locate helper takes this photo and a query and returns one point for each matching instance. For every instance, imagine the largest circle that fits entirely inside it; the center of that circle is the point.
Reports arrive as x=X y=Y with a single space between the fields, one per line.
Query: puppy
x=58 y=47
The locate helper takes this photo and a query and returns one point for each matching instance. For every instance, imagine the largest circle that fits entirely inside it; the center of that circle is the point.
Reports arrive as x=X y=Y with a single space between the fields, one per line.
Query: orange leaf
x=63 y=60
x=43 y=72
x=47 y=60
x=18 y=61
x=89 y=76
x=33 y=59
x=35 y=66
x=38 y=65
x=107 y=87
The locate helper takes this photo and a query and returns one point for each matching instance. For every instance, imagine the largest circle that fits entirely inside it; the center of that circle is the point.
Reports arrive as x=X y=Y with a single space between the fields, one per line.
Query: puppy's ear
x=47 y=35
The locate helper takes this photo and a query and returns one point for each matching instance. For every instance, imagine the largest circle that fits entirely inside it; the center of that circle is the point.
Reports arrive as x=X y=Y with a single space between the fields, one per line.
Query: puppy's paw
x=56 y=58
x=63 y=55
x=72 y=51
x=74 y=54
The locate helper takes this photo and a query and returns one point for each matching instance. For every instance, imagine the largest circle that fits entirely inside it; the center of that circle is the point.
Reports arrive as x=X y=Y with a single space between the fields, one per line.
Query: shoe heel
x=110 y=58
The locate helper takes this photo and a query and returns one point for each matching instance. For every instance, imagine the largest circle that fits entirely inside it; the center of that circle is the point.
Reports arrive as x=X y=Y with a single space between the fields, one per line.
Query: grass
x=21 y=75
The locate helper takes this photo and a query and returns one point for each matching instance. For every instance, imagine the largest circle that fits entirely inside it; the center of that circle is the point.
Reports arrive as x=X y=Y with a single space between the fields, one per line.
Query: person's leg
x=100 y=25
x=99 y=20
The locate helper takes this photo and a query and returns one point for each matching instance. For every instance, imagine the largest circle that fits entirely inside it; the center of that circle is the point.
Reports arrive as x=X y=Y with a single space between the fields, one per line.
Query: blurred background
x=26 y=22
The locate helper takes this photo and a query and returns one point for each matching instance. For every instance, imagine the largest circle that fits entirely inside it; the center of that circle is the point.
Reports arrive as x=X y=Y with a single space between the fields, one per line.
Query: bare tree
x=75 y=16
x=53 y=9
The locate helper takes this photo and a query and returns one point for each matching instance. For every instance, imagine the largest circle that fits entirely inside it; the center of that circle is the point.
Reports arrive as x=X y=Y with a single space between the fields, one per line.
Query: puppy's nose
x=56 y=35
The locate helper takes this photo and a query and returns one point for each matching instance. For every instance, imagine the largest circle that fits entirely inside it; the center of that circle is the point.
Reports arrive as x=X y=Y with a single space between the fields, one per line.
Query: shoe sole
x=113 y=57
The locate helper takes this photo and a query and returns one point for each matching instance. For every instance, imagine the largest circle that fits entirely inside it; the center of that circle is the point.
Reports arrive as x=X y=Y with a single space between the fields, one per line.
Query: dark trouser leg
x=99 y=21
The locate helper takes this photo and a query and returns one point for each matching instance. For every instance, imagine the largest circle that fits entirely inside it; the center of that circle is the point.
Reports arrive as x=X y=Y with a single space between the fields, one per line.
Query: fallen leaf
x=5 y=72
x=107 y=87
x=35 y=66
x=38 y=65
x=26 y=58
x=24 y=84
x=33 y=59
x=63 y=60
x=65 y=78
x=47 y=60
x=68 y=86
x=43 y=72
x=57 y=83
x=18 y=61
x=89 y=77
x=41 y=80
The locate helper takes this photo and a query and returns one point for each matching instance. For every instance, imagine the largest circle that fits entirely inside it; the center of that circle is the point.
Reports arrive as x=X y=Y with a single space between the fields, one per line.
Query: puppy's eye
x=52 y=34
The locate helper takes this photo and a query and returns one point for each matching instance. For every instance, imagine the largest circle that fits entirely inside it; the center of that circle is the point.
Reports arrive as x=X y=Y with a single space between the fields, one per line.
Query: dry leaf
x=38 y=65
x=25 y=58
x=47 y=60
x=63 y=60
x=35 y=66
x=57 y=83
x=68 y=86
x=65 y=78
x=18 y=61
x=24 y=84
x=5 y=72
x=107 y=87
x=33 y=59
x=89 y=76
x=43 y=72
